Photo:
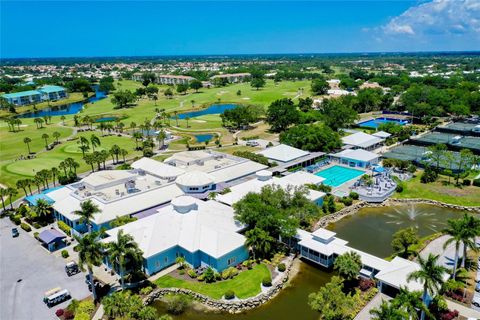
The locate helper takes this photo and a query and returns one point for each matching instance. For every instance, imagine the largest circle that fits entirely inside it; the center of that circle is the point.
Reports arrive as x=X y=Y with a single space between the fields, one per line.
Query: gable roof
x=283 y=153
x=361 y=140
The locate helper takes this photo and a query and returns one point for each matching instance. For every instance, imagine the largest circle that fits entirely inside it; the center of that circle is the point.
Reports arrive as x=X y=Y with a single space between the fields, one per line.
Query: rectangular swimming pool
x=338 y=175
x=375 y=123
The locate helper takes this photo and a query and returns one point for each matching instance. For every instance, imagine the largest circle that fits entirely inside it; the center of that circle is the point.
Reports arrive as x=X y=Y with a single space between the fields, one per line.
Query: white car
x=476 y=301
x=252 y=143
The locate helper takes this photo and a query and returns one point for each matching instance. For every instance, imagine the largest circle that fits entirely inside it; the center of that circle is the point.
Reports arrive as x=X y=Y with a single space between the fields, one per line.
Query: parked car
x=72 y=268
x=476 y=301
x=252 y=143
x=50 y=292
x=477 y=287
x=15 y=232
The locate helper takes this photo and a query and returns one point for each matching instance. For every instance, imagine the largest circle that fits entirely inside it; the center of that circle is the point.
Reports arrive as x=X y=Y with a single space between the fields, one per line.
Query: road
x=26 y=272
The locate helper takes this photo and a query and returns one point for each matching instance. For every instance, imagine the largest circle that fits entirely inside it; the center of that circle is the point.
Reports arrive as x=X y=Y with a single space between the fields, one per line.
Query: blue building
x=205 y=233
x=45 y=93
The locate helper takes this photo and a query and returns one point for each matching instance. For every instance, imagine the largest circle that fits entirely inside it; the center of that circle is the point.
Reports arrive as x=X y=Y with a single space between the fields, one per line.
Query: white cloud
x=437 y=17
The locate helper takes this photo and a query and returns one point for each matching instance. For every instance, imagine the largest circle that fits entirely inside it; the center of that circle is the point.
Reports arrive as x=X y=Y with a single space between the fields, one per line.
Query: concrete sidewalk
x=373 y=304
x=463 y=310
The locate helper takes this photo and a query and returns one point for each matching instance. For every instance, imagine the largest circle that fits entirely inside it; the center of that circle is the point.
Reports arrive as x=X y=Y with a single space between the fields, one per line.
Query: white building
x=362 y=140
x=283 y=153
x=356 y=158
x=264 y=178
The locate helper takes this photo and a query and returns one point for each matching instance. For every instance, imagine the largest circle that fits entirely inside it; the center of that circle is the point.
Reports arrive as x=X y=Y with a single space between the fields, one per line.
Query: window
x=157 y=264
x=231 y=260
x=165 y=260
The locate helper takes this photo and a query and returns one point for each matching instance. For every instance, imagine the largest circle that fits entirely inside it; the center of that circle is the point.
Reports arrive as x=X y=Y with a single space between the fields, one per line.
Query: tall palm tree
x=119 y=250
x=95 y=141
x=187 y=119
x=161 y=138
x=45 y=137
x=470 y=230
x=55 y=173
x=56 y=135
x=431 y=275
x=3 y=195
x=123 y=153
x=11 y=192
x=387 y=311
x=28 y=183
x=22 y=184
x=87 y=211
x=137 y=135
x=90 y=253
x=63 y=119
x=27 y=141
x=260 y=241
x=84 y=145
x=133 y=125
x=42 y=208
x=176 y=116
x=410 y=302
x=454 y=231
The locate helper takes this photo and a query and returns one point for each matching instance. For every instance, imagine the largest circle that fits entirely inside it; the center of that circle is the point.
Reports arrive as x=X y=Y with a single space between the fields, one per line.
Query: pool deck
x=344 y=188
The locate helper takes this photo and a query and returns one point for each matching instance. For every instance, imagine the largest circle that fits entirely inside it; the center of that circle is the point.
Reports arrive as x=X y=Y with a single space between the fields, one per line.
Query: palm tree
x=90 y=253
x=133 y=125
x=56 y=135
x=161 y=138
x=137 y=135
x=187 y=119
x=3 y=194
x=176 y=116
x=63 y=119
x=123 y=153
x=115 y=150
x=90 y=160
x=22 y=184
x=470 y=230
x=119 y=250
x=387 y=311
x=43 y=208
x=27 y=141
x=84 y=145
x=45 y=137
x=431 y=275
x=87 y=211
x=260 y=241
x=454 y=231
x=11 y=192
x=95 y=141
x=55 y=173
x=28 y=183
x=410 y=302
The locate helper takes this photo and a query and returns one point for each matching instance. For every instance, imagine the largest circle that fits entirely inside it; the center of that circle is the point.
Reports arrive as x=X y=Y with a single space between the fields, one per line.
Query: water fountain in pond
x=415 y=216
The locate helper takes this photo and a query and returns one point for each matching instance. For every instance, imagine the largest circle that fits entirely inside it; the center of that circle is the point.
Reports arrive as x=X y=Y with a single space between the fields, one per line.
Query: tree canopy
x=281 y=114
x=313 y=137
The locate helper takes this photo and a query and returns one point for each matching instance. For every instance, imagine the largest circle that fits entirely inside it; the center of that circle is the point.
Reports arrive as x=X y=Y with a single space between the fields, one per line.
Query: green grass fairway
x=245 y=285
x=438 y=190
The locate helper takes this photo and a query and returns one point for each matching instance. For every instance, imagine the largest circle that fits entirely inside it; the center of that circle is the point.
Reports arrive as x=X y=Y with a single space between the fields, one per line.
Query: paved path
x=447 y=255
x=373 y=304
x=463 y=310
x=163 y=272
x=26 y=272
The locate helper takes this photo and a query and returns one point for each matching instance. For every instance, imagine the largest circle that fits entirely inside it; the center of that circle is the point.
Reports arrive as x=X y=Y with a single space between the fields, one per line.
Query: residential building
x=45 y=93
x=170 y=79
x=205 y=233
x=232 y=77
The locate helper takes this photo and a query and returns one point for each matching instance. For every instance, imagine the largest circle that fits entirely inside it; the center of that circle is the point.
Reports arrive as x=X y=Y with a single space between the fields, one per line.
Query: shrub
x=399 y=188
x=229 y=273
x=81 y=316
x=229 y=295
x=347 y=201
x=476 y=182
x=86 y=307
x=176 y=304
x=218 y=276
x=366 y=284
x=281 y=267
x=429 y=175
x=76 y=248
x=59 y=312
x=65 y=254
x=37 y=225
x=247 y=264
x=68 y=314
x=36 y=235
x=64 y=227
x=192 y=273
x=146 y=290
x=466 y=182
x=201 y=277
x=16 y=219
x=181 y=272
x=25 y=226
x=353 y=195
x=267 y=282
x=209 y=275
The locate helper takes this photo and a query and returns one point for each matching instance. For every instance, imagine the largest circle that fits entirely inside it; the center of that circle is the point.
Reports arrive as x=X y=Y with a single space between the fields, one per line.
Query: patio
x=378 y=188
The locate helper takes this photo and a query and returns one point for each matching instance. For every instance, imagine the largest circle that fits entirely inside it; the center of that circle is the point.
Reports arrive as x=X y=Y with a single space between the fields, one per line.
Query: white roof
x=397 y=272
x=302 y=178
x=239 y=170
x=357 y=154
x=323 y=234
x=100 y=178
x=66 y=203
x=283 y=153
x=361 y=140
x=157 y=168
x=255 y=185
x=381 y=134
x=209 y=227
x=195 y=179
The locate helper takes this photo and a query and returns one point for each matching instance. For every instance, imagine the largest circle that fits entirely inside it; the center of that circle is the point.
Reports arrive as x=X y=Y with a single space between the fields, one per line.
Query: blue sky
x=70 y=29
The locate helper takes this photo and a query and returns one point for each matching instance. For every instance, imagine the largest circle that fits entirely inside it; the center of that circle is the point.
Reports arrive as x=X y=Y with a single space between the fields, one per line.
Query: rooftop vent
x=184 y=204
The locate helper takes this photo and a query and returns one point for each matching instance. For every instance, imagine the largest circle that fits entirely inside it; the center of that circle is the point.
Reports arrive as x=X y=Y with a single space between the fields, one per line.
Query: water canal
x=65 y=109
x=370 y=230
x=213 y=109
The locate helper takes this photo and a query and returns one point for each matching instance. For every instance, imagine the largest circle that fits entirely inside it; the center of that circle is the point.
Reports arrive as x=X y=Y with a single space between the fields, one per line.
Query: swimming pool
x=338 y=175
x=375 y=123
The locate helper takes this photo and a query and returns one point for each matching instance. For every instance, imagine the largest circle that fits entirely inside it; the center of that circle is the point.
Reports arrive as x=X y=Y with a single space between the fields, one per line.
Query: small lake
x=213 y=109
x=370 y=230
x=203 y=137
x=66 y=109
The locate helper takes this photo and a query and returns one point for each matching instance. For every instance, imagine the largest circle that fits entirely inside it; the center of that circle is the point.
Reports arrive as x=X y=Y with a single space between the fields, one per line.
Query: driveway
x=26 y=272
x=447 y=255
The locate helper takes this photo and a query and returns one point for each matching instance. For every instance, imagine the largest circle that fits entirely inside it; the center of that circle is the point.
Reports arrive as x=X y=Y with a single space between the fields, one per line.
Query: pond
x=71 y=108
x=203 y=137
x=371 y=230
x=213 y=109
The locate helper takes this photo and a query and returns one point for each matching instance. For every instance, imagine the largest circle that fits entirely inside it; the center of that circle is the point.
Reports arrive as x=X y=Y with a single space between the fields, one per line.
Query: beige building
x=232 y=77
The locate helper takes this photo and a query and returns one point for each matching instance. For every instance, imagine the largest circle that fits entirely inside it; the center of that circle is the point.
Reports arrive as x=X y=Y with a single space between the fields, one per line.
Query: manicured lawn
x=246 y=284
x=440 y=191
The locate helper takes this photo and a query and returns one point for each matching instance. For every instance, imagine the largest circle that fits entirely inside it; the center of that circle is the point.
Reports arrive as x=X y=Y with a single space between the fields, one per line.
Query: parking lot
x=26 y=272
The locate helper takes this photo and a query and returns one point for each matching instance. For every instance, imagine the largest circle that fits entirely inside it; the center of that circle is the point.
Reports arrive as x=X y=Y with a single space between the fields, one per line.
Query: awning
x=378 y=169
